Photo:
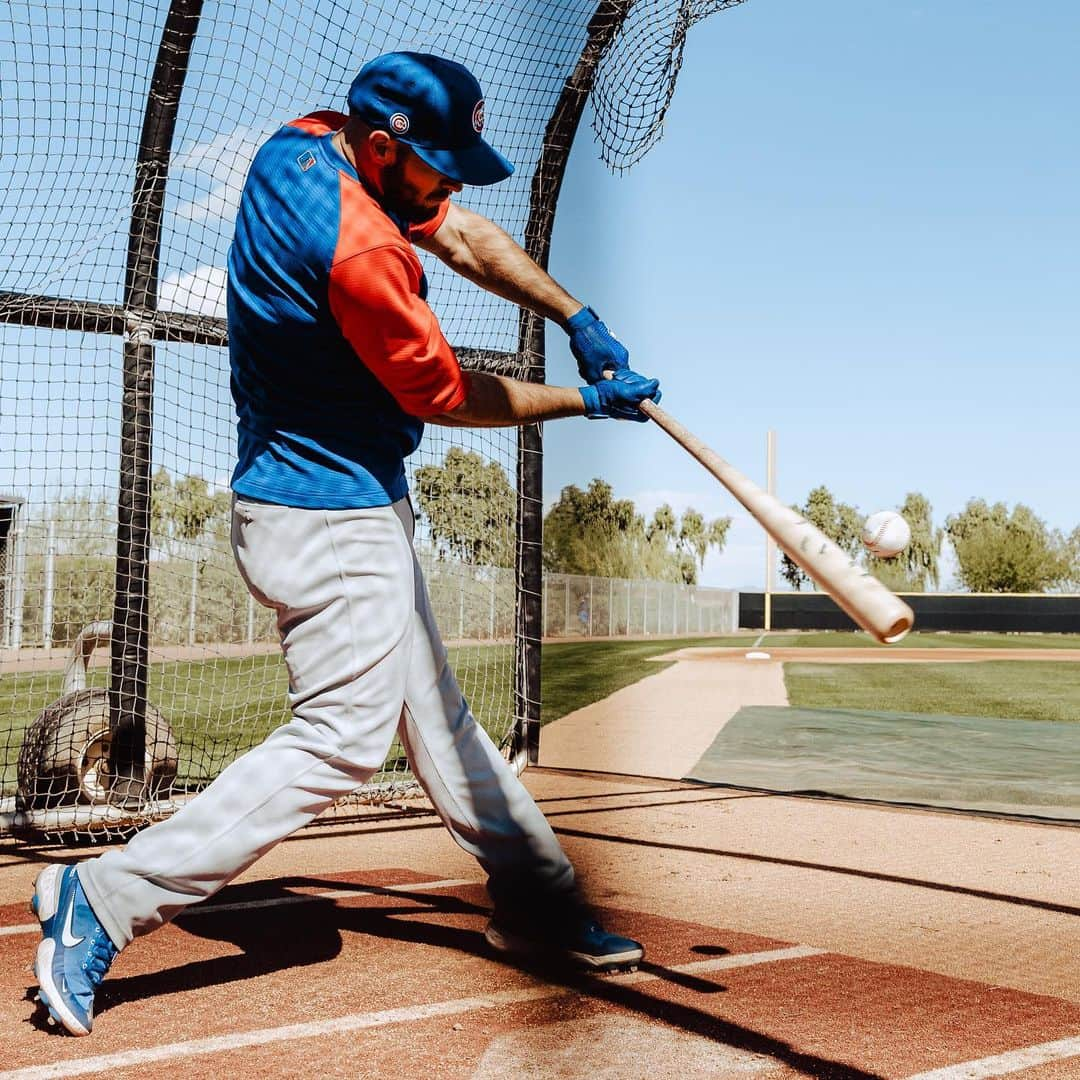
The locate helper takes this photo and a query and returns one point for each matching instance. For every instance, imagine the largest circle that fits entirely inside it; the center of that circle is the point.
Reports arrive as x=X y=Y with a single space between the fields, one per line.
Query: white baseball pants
x=365 y=659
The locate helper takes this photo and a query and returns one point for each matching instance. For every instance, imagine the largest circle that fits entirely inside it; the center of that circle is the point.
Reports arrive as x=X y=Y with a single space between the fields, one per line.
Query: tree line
x=469 y=507
x=997 y=549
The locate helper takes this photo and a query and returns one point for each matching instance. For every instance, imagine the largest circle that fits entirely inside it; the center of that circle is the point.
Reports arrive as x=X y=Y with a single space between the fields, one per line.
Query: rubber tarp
x=1025 y=767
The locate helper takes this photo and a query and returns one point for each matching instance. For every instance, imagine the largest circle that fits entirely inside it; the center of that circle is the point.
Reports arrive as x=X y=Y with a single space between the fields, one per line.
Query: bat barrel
x=880 y=612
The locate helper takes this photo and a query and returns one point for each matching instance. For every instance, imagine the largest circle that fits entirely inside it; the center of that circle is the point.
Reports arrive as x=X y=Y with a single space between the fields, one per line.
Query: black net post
x=546 y=186
x=84 y=257
x=130 y=624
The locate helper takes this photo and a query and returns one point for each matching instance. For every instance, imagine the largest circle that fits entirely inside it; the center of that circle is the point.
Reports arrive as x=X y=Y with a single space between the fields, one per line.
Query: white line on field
x=1003 y=1064
x=278 y=901
x=358 y=1021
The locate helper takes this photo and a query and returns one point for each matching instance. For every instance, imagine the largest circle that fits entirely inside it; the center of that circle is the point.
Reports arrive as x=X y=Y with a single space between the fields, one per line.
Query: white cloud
x=225 y=159
x=201 y=292
x=222 y=202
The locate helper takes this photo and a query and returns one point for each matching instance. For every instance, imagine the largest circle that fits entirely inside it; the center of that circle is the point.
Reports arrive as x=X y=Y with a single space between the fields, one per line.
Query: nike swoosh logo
x=67 y=938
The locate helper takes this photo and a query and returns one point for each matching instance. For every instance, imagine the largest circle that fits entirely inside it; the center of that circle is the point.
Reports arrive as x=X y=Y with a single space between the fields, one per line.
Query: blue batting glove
x=620 y=396
x=595 y=347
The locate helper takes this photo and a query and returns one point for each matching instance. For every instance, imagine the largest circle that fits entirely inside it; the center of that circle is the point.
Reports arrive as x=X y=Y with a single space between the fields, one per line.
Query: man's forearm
x=479 y=250
x=495 y=401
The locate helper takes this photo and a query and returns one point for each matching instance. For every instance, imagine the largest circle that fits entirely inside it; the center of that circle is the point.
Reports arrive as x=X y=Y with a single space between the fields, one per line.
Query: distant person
x=337 y=361
x=583 y=615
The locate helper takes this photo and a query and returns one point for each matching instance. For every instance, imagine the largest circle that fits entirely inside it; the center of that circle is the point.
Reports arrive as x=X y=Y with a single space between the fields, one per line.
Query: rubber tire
x=52 y=759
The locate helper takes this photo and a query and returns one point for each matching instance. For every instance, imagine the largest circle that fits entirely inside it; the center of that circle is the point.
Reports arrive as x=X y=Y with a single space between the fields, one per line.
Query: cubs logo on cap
x=433 y=105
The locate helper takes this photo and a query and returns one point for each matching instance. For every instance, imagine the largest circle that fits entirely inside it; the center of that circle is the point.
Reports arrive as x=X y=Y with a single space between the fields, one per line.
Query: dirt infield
x=898 y=655
x=14 y=660
x=786 y=938
x=661 y=725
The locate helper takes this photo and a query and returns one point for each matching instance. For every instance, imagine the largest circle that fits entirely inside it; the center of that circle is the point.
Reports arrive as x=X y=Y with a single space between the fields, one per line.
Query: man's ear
x=383 y=148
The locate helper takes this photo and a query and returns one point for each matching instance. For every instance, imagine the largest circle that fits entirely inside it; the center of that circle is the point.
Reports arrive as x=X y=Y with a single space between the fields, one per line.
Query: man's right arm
x=374 y=300
x=495 y=401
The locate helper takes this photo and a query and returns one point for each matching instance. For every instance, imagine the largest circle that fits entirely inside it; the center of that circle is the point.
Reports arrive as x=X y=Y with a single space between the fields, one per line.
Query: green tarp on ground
x=1028 y=767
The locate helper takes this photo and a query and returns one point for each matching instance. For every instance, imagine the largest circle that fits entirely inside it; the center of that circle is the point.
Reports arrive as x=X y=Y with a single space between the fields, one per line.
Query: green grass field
x=1010 y=690
x=218 y=708
x=578 y=673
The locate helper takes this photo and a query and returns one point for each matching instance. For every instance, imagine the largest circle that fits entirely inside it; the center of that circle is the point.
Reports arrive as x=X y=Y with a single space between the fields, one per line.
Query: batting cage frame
x=623 y=55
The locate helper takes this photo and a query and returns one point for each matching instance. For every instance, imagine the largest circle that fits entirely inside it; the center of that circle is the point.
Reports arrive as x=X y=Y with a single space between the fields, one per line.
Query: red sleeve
x=430 y=228
x=374 y=297
x=319 y=123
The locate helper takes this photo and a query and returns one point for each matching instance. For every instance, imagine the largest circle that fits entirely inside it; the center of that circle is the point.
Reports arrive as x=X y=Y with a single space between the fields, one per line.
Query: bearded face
x=412 y=190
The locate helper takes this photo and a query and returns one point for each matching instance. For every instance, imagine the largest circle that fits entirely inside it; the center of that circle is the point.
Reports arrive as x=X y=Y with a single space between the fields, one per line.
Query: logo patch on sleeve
x=305 y=160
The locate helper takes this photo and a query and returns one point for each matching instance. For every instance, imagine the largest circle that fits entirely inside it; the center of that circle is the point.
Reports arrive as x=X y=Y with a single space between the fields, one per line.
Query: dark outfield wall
x=933 y=611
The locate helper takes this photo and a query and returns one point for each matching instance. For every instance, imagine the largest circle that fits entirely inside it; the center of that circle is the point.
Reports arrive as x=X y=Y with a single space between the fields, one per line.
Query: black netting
x=83 y=470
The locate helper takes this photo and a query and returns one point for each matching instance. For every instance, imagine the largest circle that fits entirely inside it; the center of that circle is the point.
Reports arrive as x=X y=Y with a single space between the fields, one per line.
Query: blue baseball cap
x=433 y=105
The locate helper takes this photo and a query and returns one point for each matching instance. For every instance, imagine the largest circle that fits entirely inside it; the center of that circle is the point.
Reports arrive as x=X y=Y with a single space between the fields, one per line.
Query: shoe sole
x=44 y=905
x=505 y=942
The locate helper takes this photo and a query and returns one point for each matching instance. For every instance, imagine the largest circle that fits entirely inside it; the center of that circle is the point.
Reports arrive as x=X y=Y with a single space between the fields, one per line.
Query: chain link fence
x=580 y=606
x=56 y=580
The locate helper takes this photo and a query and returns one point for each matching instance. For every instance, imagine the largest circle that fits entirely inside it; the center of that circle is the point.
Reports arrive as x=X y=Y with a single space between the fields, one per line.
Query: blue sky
x=861 y=230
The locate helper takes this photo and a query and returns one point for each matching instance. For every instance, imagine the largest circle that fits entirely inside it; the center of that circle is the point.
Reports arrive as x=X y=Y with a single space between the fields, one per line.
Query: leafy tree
x=468 y=504
x=663 y=523
x=582 y=529
x=840 y=522
x=1002 y=552
x=591 y=532
x=181 y=512
x=696 y=535
x=85 y=525
x=917 y=567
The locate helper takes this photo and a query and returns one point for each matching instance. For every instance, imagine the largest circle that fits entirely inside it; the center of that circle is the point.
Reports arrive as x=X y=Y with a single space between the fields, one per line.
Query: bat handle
x=649 y=408
x=652 y=411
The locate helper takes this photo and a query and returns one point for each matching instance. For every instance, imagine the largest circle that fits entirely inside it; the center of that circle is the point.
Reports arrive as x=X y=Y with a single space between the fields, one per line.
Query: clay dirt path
x=661 y=725
x=787 y=938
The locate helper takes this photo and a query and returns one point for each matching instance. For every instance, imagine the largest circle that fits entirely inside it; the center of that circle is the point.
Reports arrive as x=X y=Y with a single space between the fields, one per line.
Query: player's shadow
x=278 y=928
x=295 y=934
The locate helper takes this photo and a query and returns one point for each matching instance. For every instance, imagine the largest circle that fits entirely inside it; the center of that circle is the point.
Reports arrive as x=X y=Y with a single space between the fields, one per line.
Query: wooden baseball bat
x=877 y=610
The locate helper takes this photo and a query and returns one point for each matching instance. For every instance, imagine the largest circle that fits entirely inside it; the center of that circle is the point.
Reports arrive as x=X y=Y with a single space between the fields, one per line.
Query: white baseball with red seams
x=886 y=534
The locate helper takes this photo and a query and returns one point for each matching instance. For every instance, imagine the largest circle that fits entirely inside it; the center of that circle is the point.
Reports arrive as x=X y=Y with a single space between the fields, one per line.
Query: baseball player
x=337 y=363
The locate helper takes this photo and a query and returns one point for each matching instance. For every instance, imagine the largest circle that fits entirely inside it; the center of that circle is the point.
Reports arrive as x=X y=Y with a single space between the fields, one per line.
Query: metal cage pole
x=130 y=623
x=547 y=181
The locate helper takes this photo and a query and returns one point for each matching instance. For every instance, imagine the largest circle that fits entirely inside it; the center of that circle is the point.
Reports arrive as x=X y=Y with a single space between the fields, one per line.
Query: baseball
x=886 y=534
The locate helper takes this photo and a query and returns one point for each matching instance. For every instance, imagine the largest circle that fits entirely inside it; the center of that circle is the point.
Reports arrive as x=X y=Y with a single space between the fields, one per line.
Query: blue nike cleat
x=579 y=940
x=75 y=951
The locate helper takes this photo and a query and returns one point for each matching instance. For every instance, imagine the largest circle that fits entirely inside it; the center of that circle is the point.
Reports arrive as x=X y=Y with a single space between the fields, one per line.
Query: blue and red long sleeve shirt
x=336 y=357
